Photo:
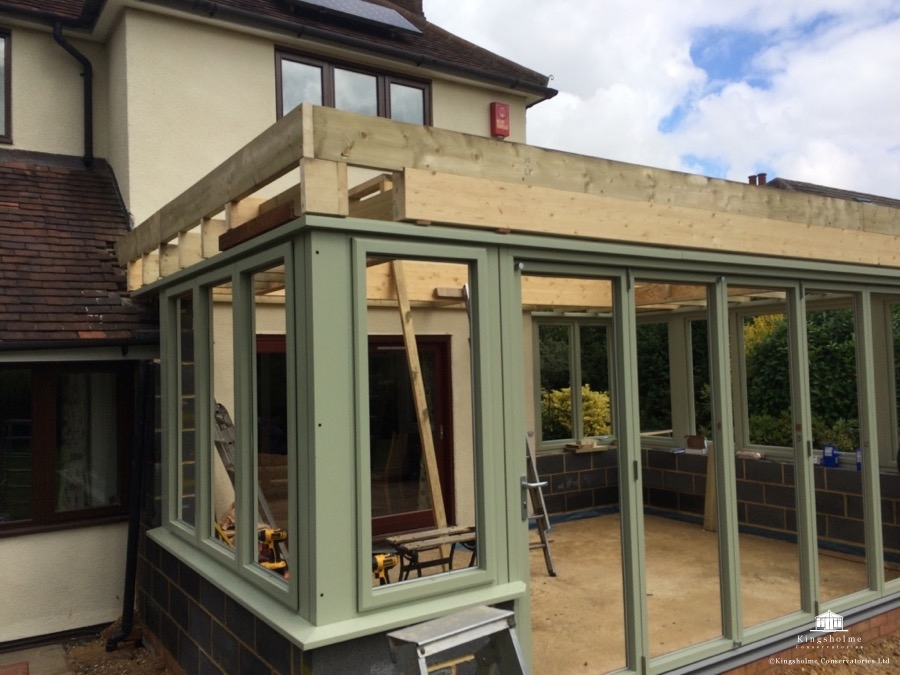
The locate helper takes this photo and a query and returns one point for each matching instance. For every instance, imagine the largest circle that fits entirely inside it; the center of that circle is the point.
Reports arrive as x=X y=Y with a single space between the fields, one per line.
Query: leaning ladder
x=224 y=442
x=533 y=486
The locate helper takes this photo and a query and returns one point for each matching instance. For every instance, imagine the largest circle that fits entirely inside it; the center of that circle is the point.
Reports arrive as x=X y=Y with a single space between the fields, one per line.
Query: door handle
x=524 y=487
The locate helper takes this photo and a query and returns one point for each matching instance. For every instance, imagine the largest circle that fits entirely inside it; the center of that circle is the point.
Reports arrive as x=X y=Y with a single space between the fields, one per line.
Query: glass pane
x=677 y=481
x=654 y=389
x=555 y=349
x=831 y=334
x=272 y=489
x=15 y=444
x=86 y=441
x=187 y=410
x=888 y=475
x=300 y=83
x=596 y=413
x=765 y=488
x=407 y=103
x=700 y=376
x=582 y=478
x=356 y=92
x=224 y=458
x=768 y=378
x=421 y=426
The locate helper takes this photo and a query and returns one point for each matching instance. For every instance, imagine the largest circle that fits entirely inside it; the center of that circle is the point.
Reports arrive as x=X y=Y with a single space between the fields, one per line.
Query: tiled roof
x=433 y=47
x=835 y=193
x=67 y=12
x=59 y=279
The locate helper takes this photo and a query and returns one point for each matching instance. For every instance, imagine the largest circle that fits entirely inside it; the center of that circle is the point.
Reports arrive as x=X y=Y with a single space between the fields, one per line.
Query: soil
x=89 y=656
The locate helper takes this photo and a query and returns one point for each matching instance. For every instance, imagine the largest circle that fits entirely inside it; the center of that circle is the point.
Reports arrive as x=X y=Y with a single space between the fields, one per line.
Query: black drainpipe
x=142 y=437
x=88 y=75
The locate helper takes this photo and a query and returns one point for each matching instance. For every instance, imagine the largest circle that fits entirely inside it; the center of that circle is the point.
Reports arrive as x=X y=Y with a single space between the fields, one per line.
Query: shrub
x=556 y=412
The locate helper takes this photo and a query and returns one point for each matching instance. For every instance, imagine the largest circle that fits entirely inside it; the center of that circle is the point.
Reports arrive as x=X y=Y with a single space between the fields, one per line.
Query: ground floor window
x=64 y=430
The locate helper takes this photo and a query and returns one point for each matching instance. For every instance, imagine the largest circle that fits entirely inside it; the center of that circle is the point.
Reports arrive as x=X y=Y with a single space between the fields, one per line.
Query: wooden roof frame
x=508 y=187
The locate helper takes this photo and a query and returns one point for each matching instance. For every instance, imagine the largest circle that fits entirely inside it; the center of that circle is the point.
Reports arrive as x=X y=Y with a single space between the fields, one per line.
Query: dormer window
x=303 y=78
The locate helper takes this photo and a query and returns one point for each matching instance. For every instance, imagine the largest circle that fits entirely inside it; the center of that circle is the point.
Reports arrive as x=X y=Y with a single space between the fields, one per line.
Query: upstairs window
x=5 y=129
x=306 y=79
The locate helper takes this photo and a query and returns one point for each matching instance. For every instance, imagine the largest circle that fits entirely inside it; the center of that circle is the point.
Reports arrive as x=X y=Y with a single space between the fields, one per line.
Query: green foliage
x=654 y=388
x=556 y=412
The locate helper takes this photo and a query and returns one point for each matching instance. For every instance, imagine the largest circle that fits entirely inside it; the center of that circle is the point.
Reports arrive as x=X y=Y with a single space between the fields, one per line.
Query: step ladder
x=224 y=441
x=533 y=486
x=411 y=647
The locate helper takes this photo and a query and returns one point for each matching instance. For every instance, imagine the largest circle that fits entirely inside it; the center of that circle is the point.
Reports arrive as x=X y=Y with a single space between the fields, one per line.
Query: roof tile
x=59 y=279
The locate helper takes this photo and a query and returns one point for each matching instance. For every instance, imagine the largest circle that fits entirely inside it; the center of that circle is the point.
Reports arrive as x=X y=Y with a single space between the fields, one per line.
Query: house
x=110 y=109
x=379 y=306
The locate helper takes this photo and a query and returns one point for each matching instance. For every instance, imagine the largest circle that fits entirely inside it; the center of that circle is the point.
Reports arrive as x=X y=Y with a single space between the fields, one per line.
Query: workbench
x=410 y=547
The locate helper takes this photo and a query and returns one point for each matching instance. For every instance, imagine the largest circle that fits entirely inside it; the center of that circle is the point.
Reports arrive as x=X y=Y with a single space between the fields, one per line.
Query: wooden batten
x=135 y=274
x=150 y=267
x=239 y=212
x=168 y=259
x=190 y=249
x=210 y=231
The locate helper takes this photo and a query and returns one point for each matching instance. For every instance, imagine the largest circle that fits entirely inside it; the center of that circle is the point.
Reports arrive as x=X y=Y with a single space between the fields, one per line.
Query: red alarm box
x=499 y=119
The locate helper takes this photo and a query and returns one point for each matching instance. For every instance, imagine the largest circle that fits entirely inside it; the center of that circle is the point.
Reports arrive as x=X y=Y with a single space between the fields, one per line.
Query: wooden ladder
x=533 y=486
x=412 y=646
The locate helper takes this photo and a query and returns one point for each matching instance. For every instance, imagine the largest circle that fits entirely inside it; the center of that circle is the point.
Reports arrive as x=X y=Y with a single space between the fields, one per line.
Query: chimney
x=414 y=6
x=761 y=179
x=752 y=179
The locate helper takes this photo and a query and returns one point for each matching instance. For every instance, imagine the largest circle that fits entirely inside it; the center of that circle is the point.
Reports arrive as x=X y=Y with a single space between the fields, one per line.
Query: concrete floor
x=577 y=616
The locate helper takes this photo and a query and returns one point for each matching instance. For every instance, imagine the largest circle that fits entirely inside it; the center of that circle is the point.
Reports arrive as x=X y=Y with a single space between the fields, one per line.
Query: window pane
x=356 y=92
x=768 y=379
x=187 y=409
x=223 y=461
x=300 y=83
x=272 y=491
x=596 y=417
x=86 y=441
x=767 y=494
x=557 y=416
x=831 y=336
x=15 y=444
x=407 y=103
x=654 y=390
x=421 y=425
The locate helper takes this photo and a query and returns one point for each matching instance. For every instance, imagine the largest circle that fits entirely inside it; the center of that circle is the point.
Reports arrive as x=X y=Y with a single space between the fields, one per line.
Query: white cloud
x=820 y=107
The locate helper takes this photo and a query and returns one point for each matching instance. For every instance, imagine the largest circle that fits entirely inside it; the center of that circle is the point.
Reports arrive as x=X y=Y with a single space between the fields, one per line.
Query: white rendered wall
x=63 y=580
x=194 y=95
x=48 y=94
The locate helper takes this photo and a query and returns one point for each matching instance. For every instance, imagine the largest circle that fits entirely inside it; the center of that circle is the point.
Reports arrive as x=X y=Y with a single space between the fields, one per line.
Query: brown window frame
x=6 y=129
x=384 y=80
x=44 y=399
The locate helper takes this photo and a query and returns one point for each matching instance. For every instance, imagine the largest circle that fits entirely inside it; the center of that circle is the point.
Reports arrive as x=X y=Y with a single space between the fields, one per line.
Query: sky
x=802 y=89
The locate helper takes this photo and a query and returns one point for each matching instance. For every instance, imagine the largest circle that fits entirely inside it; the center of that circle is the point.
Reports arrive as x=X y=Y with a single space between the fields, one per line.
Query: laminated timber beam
x=508 y=187
x=515 y=207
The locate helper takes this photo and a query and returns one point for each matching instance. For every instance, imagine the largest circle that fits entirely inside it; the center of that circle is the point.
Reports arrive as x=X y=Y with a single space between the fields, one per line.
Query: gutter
x=88 y=75
x=216 y=10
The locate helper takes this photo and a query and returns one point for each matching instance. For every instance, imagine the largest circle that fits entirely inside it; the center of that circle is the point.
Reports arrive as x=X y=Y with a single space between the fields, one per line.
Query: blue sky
x=802 y=89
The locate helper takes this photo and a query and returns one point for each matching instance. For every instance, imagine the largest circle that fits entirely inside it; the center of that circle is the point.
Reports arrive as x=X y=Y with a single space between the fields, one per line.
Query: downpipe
x=141 y=439
x=88 y=75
